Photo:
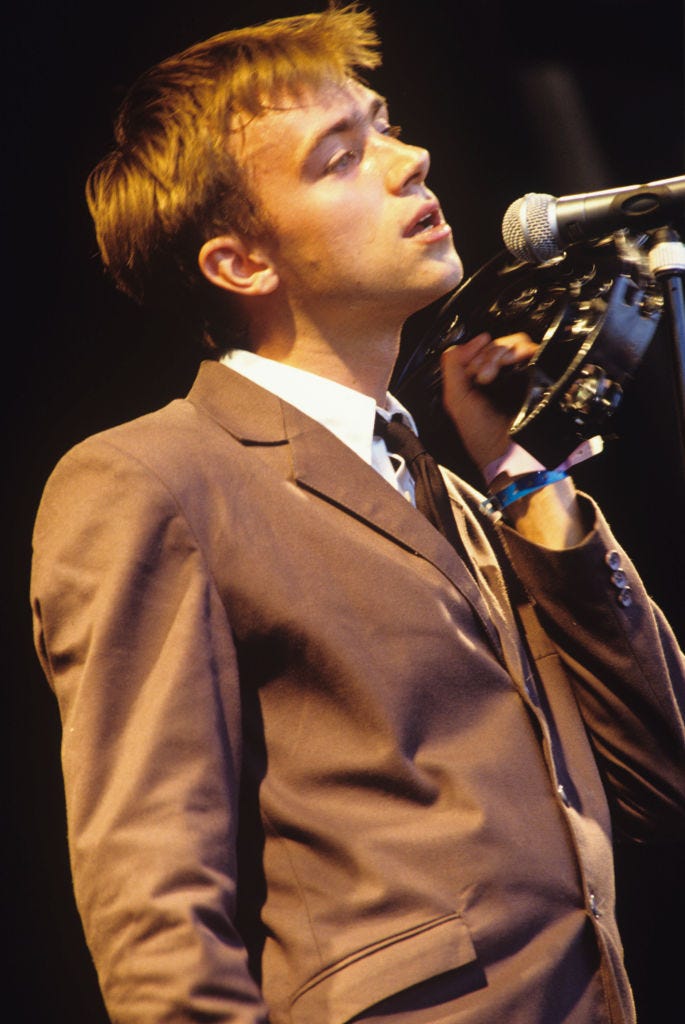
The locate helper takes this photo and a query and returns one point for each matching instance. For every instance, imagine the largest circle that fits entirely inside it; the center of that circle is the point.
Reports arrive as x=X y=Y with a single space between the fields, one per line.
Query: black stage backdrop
x=509 y=98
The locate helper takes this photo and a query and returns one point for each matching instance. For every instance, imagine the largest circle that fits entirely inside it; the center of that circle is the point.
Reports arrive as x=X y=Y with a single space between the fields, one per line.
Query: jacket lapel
x=323 y=465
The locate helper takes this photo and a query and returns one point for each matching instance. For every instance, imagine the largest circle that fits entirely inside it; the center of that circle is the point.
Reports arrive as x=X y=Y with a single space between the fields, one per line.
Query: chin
x=456 y=272
x=450 y=279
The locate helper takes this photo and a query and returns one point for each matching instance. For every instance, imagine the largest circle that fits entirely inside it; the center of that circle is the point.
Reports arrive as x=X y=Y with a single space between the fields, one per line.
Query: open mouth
x=429 y=220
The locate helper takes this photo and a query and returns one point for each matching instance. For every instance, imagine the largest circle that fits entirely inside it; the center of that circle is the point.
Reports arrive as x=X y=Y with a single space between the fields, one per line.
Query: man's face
x=353 y=227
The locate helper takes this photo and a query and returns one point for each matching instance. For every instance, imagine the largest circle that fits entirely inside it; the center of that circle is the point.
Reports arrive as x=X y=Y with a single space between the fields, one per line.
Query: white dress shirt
x=345 y=412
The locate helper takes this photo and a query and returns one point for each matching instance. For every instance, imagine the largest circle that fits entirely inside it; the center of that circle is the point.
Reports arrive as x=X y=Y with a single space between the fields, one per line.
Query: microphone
x=538 y=227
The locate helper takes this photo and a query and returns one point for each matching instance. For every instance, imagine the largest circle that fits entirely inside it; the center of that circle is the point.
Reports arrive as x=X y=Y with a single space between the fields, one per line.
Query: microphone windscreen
x=527 y=229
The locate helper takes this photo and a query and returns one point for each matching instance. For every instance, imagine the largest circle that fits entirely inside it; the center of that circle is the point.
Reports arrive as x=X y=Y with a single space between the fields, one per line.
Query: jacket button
x=625 y=597
x=619 y=579
x=613 y=559
x=564 y=796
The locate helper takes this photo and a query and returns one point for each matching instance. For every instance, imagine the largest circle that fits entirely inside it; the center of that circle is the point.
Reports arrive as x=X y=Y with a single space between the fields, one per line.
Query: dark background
x=509 y=98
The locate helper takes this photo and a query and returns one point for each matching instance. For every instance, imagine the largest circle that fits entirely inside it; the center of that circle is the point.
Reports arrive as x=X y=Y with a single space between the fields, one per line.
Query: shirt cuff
x=516 y=460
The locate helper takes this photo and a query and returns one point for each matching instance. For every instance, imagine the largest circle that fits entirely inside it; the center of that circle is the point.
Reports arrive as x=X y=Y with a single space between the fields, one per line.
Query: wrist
x=520 y=487
x=549 y=516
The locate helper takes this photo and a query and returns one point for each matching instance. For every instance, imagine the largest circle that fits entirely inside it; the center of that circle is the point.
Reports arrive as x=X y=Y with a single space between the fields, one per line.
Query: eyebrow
x=347 y=123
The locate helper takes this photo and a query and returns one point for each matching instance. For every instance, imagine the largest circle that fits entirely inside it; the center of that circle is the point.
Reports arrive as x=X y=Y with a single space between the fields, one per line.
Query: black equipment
x=593 y=310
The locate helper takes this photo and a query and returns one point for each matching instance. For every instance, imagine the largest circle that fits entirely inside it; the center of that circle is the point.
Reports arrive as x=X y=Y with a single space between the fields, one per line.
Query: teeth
x=424 y=224
x=430 y=220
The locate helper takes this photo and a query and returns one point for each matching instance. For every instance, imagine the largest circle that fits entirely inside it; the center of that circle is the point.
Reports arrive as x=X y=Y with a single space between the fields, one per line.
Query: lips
x=428 y=218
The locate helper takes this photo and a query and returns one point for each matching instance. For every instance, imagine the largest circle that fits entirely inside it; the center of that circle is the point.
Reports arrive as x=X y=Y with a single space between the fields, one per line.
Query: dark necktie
x=430 y=492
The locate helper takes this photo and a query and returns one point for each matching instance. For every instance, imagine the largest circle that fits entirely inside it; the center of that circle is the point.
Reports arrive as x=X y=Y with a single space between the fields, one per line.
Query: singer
x=342 y=739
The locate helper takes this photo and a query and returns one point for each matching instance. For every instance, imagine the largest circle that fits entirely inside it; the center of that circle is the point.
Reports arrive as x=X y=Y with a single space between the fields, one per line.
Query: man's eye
x=394 y=130
x=342 y=161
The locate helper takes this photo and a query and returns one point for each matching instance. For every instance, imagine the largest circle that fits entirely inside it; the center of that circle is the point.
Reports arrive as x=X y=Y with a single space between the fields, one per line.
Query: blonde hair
x=171 y=181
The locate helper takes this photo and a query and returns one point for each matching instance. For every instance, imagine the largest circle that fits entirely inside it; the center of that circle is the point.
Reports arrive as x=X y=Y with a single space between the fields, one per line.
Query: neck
x=359 y=358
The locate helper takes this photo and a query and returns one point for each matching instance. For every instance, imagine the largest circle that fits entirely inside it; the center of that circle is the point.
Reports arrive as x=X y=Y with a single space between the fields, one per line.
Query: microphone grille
x=527 y=231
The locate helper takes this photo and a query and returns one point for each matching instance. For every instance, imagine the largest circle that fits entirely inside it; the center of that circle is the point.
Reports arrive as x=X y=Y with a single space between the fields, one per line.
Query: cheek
x=330 y=241
x=325 y=230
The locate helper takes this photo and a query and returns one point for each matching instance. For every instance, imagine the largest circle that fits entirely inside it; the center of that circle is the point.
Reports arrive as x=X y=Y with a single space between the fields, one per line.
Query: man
x=321 y=763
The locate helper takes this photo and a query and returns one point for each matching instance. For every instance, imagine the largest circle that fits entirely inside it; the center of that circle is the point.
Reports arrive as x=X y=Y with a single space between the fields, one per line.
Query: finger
x=486 y=367
x=509 y=351
x=461 y=355
x=518 y=347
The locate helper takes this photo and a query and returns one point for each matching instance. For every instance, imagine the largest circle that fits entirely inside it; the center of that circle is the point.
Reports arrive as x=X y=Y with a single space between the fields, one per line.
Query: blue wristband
x=519 y=488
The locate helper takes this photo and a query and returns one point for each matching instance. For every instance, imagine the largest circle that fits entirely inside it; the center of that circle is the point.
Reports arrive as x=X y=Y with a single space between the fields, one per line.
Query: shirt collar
x=345 y=412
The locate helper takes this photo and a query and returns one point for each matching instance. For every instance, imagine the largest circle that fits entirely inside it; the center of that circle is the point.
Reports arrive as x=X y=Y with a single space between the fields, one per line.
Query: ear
x=244 y=268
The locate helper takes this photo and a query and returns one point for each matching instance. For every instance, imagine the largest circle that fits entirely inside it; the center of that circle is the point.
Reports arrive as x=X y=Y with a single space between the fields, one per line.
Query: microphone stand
x=667 y=264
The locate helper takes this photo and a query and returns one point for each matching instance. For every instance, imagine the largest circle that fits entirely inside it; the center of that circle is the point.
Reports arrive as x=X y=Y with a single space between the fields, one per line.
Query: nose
x=409 y=166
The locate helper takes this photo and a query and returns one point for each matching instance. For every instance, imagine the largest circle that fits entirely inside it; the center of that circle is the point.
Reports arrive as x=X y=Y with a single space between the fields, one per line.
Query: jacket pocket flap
x=351 y=985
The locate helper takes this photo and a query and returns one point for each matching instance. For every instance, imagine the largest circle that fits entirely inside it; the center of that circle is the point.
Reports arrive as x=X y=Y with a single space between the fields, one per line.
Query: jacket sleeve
x=134 y=640
x=627 y=668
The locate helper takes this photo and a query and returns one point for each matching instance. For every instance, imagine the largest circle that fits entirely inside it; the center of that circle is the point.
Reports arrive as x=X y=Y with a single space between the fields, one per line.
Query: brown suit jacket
x=308 y=763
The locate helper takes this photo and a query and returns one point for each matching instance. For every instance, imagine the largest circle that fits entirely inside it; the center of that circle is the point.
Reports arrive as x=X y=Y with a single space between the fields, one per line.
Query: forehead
x=288 y=130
